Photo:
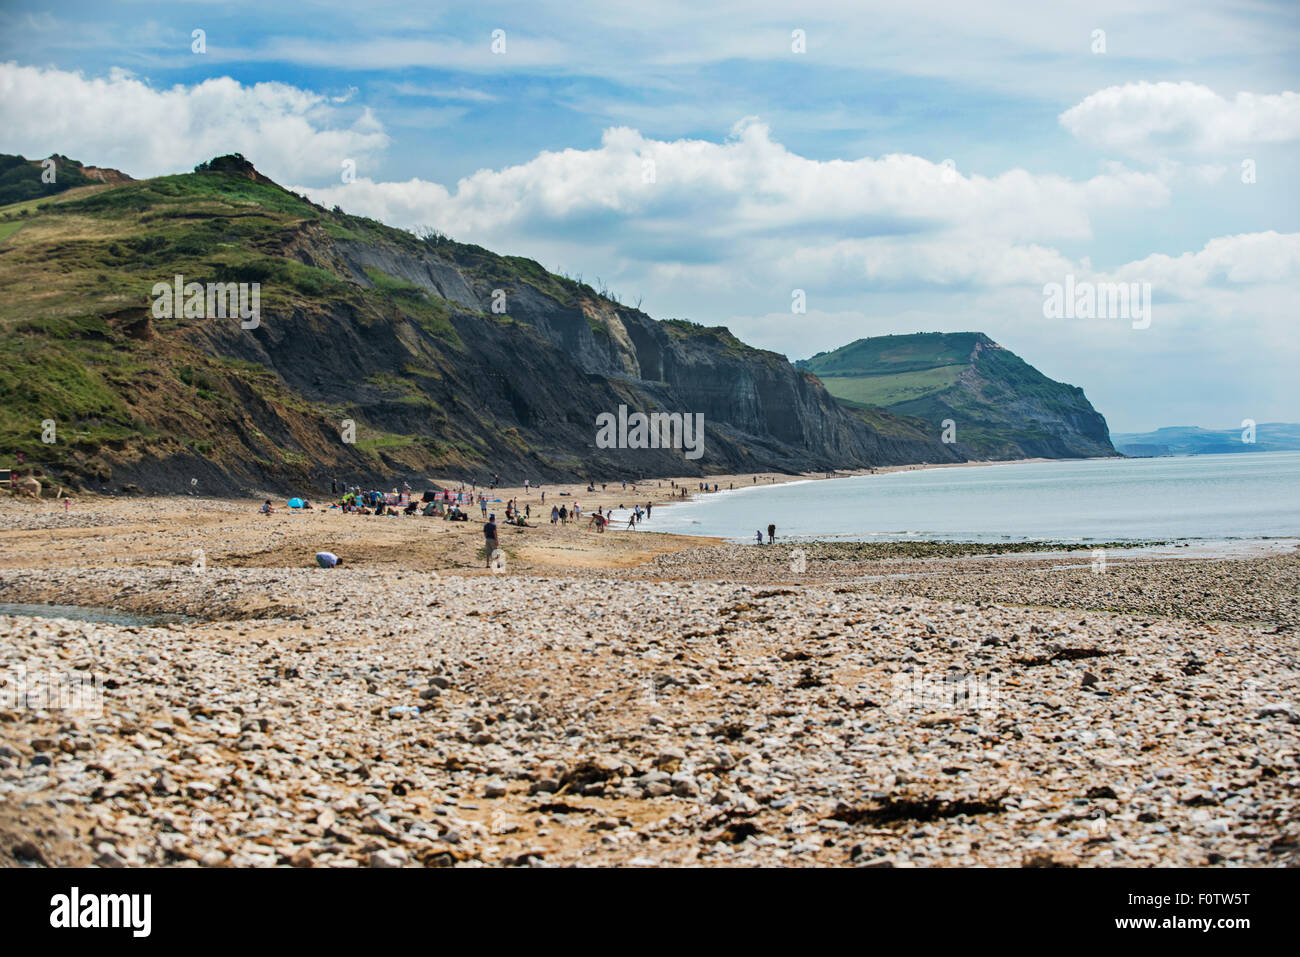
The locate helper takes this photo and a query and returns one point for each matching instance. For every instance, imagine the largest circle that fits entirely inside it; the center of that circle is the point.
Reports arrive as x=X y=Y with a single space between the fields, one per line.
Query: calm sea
x=1247 y=495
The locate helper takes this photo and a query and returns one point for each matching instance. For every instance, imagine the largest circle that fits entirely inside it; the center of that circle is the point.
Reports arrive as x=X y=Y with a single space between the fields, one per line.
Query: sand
x=632 y=698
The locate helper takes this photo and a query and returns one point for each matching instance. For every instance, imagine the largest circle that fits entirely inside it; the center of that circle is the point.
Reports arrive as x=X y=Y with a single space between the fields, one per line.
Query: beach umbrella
x=295 y=503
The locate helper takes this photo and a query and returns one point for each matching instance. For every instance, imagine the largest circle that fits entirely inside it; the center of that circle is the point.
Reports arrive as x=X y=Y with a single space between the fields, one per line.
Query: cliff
x=448 y=360
x=1000 y=407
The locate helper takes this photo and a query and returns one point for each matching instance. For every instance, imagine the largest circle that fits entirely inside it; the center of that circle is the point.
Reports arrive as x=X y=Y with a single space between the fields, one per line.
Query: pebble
x=717 y=722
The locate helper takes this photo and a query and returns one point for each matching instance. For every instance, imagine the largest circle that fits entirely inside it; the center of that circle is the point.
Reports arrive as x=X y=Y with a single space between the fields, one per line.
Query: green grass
x=887 y=390
x=385 y=441
x=894 y=354
x=430 y=313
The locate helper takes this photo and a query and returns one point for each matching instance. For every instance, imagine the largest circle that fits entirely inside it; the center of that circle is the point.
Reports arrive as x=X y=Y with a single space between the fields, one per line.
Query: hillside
x=368 y=323
x=1191 y=440
x=1002 y=407
x=21 y=179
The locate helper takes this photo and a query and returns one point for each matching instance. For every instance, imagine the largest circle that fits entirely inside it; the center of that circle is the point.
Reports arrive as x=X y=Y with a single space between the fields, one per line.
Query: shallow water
x=1199 y=497
x=109 y=616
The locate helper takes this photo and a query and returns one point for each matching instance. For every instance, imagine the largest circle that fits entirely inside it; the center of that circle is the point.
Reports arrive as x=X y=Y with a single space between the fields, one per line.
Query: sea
x=1194 y=498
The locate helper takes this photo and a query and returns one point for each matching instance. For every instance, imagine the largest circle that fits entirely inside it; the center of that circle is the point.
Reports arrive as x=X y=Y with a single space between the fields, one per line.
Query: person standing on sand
x=555 y=514
x=758 y=538
x=771 y=534
x=564 y=515
x=490 y=538
x=648 y=506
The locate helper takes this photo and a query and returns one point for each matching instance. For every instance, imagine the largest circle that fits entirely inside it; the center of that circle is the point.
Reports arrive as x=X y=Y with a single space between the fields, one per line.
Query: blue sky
x=773 y=169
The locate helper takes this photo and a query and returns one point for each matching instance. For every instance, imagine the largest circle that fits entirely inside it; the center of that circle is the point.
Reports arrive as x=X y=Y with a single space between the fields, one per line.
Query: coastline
x=625 y=699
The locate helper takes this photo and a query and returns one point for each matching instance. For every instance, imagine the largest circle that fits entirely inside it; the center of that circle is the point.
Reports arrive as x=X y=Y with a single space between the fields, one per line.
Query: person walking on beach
x=758 y=538
x=564 y=515
x=555 y=514
x=490 y=538
x=482 y=504
x=771 y=534
x=648 y=506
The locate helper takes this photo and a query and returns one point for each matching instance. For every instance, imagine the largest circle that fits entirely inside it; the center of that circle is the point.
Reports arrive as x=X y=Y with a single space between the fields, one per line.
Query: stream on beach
x=109 y=616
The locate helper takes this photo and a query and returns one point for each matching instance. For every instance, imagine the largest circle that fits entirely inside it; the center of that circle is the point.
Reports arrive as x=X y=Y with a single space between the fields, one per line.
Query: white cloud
x=1250 y=258
x=123 y=122
x=722 y=199
x=1151 y=120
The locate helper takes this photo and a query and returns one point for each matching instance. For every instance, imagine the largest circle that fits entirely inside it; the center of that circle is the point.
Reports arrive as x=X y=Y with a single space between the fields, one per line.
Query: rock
x=388 y=857
x=494 y=789
x=684 y=785
x=378 y=825
x=301 y=858
x=670 y=757
x=1282 y=711
x=29 y=851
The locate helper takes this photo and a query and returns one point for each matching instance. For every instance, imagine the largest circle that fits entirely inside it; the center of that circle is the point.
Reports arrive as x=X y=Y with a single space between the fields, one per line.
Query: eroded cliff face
x=757 y=407
x=448 y=360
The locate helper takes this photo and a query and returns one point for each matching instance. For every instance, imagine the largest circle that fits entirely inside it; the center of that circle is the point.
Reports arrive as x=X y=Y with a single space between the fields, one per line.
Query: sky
x=890 y=167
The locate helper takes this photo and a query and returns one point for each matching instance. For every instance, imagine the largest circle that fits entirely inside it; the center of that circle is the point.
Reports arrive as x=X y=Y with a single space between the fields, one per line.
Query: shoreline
x=621 y=699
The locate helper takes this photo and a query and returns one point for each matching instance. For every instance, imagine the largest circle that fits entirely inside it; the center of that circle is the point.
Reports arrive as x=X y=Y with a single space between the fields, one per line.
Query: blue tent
x=295 y=503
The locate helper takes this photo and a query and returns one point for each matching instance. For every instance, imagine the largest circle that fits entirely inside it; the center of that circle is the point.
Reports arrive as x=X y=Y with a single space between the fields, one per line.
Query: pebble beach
x=633 y=699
